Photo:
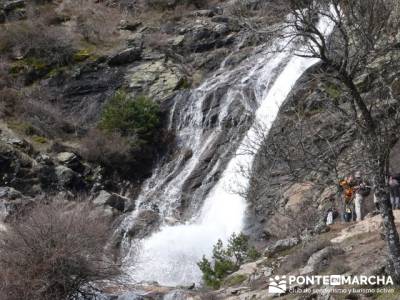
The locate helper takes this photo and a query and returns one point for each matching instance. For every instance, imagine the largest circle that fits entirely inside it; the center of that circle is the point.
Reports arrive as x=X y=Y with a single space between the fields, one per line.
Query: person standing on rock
x=376 y=203
x=331 y=213
x=362 y=190
x=394 y=191
x=348 y=193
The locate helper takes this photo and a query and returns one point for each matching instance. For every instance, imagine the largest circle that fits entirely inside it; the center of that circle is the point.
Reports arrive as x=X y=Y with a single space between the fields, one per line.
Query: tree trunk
x=366 y=114
x=390 y=230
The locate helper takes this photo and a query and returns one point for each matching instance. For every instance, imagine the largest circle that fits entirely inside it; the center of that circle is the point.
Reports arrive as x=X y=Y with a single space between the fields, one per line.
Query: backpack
x=347 y=216
x=364 y=191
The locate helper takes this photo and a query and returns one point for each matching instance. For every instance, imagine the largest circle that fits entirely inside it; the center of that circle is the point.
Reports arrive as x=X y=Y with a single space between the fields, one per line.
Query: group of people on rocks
x=355 y=190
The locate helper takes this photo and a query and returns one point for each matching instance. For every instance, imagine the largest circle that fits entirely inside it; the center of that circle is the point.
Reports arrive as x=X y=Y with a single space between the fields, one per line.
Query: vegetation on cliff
x=227 y=259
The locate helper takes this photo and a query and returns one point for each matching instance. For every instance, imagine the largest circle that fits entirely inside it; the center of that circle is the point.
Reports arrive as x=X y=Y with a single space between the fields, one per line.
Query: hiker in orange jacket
x=348 y=194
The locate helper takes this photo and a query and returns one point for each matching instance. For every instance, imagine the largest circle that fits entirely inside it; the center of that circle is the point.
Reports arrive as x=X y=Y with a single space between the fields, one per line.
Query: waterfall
x=169 y=256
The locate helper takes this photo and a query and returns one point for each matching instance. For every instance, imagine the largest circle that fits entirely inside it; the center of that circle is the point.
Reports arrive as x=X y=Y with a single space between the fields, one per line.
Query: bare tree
x=365 y=31
x=55 y=252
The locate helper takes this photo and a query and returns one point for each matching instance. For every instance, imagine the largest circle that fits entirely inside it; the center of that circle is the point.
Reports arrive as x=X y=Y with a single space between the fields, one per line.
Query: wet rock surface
x=145 y=222
x=111 y=199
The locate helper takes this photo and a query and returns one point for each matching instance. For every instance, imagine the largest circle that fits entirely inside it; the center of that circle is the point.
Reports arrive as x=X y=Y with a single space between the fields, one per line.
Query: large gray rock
x=44 y=159
x=232 y=23
x=144 y=224
x=318 y=258
x=110 y=199
x=125 y=57
x=9 y=193
x=127 y=25
x=65 y=176
x=12 y=10
x=17 y=142
x=6 y=209
x=71 y=160
x=176 y=41
x=281 y=245
x=10 y=201
x=9 y=6
x=206 y=36
x=156 y=79
x=247 y=272
x=203 y=13
x=66 y=157
x=102 y=198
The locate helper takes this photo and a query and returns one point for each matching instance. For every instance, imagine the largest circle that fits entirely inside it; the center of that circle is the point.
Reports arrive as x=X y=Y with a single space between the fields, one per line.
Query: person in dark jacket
x=394 y=188
x=362 y=190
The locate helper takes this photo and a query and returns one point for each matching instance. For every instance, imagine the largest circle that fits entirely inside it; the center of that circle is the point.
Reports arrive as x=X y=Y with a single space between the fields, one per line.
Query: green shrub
x=127 y=137
x=39 y=139
x=130 y=117
x=226 y=260
x=333 y=91
x=82 y=54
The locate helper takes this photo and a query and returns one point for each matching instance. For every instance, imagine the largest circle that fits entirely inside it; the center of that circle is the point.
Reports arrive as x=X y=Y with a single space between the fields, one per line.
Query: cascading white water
x=170 y=255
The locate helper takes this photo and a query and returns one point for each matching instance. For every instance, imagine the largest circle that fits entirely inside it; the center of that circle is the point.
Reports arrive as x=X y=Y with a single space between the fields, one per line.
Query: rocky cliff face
x=61 y=99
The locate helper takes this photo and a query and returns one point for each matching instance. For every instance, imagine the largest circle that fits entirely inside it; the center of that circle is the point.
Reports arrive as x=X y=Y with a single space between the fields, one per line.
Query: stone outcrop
x=297 y=194
x=318 y=258
x=11 y=10
x=27 y=173
x=127 y=56
x=65 y=176
x=9 y=193
x=70 y=160
x=281 y=245
x=206 y=36
x=11 y=202
x=129 y=25
x=157 y=79
x=145 y=222
x=111 y=199
x=368 y=225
